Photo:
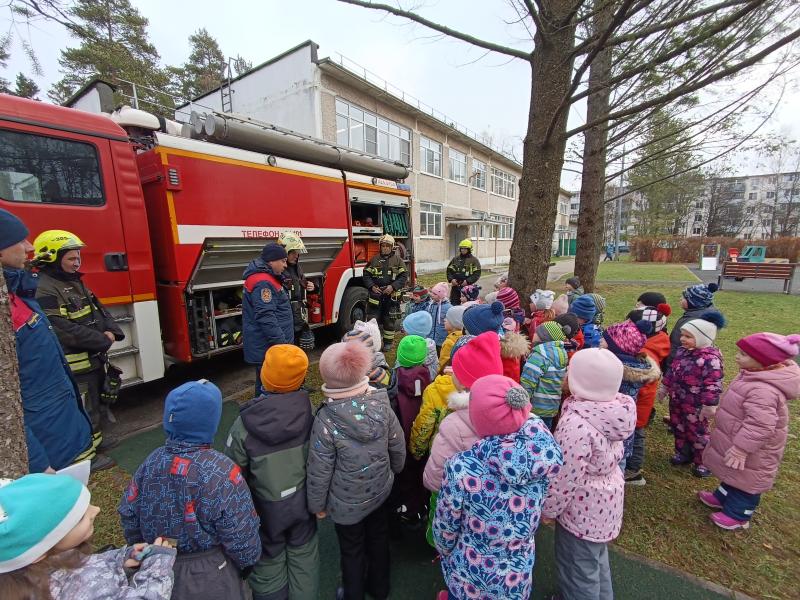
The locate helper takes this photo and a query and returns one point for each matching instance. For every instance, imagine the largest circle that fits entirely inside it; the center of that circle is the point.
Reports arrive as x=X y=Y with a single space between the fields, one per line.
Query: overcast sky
x=487 y=93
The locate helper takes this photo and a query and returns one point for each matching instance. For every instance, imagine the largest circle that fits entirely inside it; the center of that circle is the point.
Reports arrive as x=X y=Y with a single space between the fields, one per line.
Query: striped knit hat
x=508 y=297
x=600 y=304
x=550 y=331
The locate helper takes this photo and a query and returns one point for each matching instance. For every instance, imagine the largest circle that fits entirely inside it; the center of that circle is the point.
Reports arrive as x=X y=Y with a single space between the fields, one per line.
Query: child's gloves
x=708 y=412
x=735 y=458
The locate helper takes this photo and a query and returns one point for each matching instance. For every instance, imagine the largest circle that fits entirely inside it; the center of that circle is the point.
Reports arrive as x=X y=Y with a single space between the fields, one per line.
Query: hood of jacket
x=259 y=266
x=21 y=282
x=640 y=370
x=355 y=418
x=442 y=387
x=657 y=346
x=523 y=456
x=786 y=379
x=615 y=419
x=457 y=400
x=514 y=345
x=277 y=418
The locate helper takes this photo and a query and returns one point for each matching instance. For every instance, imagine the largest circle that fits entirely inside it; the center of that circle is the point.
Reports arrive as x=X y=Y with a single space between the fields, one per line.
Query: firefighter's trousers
x=90 y=384
x=386 y=311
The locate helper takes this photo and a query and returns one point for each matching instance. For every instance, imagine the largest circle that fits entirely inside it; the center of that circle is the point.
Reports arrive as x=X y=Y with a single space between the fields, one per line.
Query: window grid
x=478 y=174
x=430 y=219
x=430 y=156
x=503 y=184
x=505 y=231
x=458 y=166
x=366 y=132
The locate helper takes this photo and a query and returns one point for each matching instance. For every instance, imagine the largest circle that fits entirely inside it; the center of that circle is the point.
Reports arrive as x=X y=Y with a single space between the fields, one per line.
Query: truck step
x=131 y=381
x=123 y=352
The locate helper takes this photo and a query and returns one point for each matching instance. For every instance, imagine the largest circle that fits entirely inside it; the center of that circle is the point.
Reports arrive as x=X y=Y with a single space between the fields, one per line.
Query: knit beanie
x=411 y=351
x=569 y=324
x=700 y=296
x=420 y=292
x=272 y=252
x=498 y=405
x=501 y=282
x=344 y=366
x=704 y=330
x=460 y=343
x=550 y=331
x=600 y=304
x=543 y=299
x=490 y=297
x=770 y=348
x=655 y=315
x=652 y=299
x=284 y=369
x=583 y=307
x=627 y=337
x=455 y=316
x=36 y=512
x=372 y=328
x=560 y=305
x=471 y=292
x=483 y=317
x=192 y=412
x=508 y=297
x=573 y=282
x=419 y=323
x=594 y=374
x=439 y=292
x=479 y=357
x=12 y=230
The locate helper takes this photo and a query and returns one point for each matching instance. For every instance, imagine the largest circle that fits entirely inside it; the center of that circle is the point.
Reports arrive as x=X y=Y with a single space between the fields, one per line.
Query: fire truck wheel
x=353 y=308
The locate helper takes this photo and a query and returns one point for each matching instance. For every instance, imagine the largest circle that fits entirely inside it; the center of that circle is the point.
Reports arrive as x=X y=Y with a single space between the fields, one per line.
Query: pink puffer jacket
x=455 y=435
x=587 y=494
x=753 y=415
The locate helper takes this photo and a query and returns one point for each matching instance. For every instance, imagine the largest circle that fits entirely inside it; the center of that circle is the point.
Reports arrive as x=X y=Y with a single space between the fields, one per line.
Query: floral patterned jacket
x=695 y=377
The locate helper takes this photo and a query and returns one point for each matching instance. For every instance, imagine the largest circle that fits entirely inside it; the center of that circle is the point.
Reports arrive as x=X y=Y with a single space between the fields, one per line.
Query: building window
x=503 y=184
x=698 y=204
x=749 y=210
x=752 y=196
x=430 y=219
x=563 y=208
x=430 y=156
x=755 y=183
x=770 y=195
x=748 y=223
x=505 y=231
x=367 y=132
x=737 y=196
x=480 y=231
x=574 y=206
x=698 y=217
x=458 y=166
x=478 y=174
x=696 y=231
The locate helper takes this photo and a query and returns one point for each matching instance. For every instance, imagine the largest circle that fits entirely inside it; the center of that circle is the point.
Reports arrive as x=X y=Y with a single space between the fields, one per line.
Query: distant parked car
x=623 y=248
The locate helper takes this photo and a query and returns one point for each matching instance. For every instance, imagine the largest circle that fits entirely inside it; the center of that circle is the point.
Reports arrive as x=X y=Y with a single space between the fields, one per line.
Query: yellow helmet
x=465 y=244
x=386 y=239
x=291 y=241
x=47 y=244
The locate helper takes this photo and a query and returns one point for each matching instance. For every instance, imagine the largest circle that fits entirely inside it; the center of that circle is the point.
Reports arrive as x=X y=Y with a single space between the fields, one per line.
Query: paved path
x=558 y=270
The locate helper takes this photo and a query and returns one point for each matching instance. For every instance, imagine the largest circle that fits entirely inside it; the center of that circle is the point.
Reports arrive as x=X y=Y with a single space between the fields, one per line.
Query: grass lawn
x=632 y=271
x=663 y=520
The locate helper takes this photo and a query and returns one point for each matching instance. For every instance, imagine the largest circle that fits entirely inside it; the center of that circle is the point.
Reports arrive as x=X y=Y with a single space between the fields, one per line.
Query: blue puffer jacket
x=56 y=427
x=592 y=334
x=438 y=311
x=266 y=314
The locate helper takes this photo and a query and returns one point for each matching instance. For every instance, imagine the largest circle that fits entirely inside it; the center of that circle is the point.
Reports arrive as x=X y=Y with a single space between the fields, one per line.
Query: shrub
x=687 y=249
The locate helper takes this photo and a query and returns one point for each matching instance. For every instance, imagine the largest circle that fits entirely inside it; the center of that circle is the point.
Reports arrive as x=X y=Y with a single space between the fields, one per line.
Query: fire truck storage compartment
x=388 y=213
x=213 y=295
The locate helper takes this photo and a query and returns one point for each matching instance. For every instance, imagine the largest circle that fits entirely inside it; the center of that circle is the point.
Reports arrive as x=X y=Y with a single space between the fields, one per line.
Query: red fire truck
x=170 y=221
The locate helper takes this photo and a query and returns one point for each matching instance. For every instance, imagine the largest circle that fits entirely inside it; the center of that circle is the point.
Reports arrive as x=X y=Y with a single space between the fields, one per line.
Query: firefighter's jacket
x=78 y=318
x=386 y=270
x=294 y=280
x=464 y=269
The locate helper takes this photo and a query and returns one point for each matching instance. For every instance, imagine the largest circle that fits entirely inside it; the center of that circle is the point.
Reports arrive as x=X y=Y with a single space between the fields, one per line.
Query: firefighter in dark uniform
x=296 y=284
x=463 y=270
x=82 y=324
x=384 y=277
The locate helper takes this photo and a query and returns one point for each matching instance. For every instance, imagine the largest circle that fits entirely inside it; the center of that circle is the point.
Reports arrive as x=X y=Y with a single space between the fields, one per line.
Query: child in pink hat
x=752 y=425
x=491 y=496
x=438 y=308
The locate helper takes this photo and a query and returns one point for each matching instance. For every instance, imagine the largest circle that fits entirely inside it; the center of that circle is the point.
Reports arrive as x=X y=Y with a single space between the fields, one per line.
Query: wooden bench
x=743 y=270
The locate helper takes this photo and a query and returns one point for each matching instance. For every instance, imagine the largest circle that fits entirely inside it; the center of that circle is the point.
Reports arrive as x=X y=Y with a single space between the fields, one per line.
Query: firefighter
x=296 y=284
x=463 y=270
x=266 y=311
x=82 y=324
x=57 y=429
x=384 y=277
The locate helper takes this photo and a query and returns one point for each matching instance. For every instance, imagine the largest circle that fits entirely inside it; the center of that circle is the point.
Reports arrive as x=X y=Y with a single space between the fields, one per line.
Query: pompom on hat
x=627 y=337
x=700 y=296
x=412 y=351
x=36 y=512
x=594 y=374
x=656 y=315
x=770 y=348
x=479 y=356
x=419 y=323
x=704 y=329
x=12 y=229
x=508 y=297
x=481 y=318
x=498 y=405
x=284 y=368
x=344 y=366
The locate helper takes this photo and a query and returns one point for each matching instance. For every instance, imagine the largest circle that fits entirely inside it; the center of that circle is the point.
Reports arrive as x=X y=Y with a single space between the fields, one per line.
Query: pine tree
x=204 y=69
x=5 y=42
x=26 y=87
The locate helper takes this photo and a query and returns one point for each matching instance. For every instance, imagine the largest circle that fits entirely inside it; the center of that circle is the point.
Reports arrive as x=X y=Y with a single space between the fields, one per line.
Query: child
x=369 y=333
x=454 y=324
x=273 y=429
x=471 y=293
x=480 y=318
x=45 y=548
x=431 y=414
x=356 y=447
x=626 y=341
x=440 y=304
x=421 y=324
x=420 y=300
x=572 y=329
x=544 y=371
x=586 y=496
x=573 y=289
x=514 y=348
x=751 y=427
x=600 y=305
x=188 y=491
x=696 y=300
x=584 y=308
x=652 y=299
x=501 y=282
x=561 y=305
x=541 y=309
x=491 y=496
x=694 y=382
x=412 y=380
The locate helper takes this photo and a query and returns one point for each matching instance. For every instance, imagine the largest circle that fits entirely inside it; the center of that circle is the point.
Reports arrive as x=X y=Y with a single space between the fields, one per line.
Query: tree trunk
x=13 y=449
x=543 y=158
x=593 y=177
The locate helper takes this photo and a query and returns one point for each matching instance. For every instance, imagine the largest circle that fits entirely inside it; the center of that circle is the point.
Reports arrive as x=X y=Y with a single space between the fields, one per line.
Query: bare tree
x=783 y=160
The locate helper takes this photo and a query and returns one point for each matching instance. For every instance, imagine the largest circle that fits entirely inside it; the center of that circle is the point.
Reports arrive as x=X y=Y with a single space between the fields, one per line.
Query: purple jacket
x=587 y=494
x=455 y=435
x=753 y=416
x=411 y=383
x=695 y=376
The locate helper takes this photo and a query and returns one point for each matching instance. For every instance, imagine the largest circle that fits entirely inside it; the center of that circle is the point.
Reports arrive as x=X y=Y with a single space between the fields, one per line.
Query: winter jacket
x=267 y=317
x=431 y=414
x=379 y=373
x=356 y=448
x=542 y=376
x=412 y=307
x=753 y=415
x=695 y=377
x=675 y=336
x=572 y=295
x=464 y=269
x=431 y=359
x=574 y=344
x=455 y=435
x=514 y=348
x=637 y=371
x=196 y=495
x=294 y=280
x=411 y=383
x=447 y=348
x=538 y=317
x=57 y=429
x=657 y=348
x=592 y=334
x=437 y=311
x=489 y=509
x=103 y=576
x=587 y=494
x=269 y=442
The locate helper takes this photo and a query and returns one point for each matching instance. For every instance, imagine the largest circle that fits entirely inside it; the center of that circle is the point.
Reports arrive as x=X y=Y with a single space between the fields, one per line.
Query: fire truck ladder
x=225 y=89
